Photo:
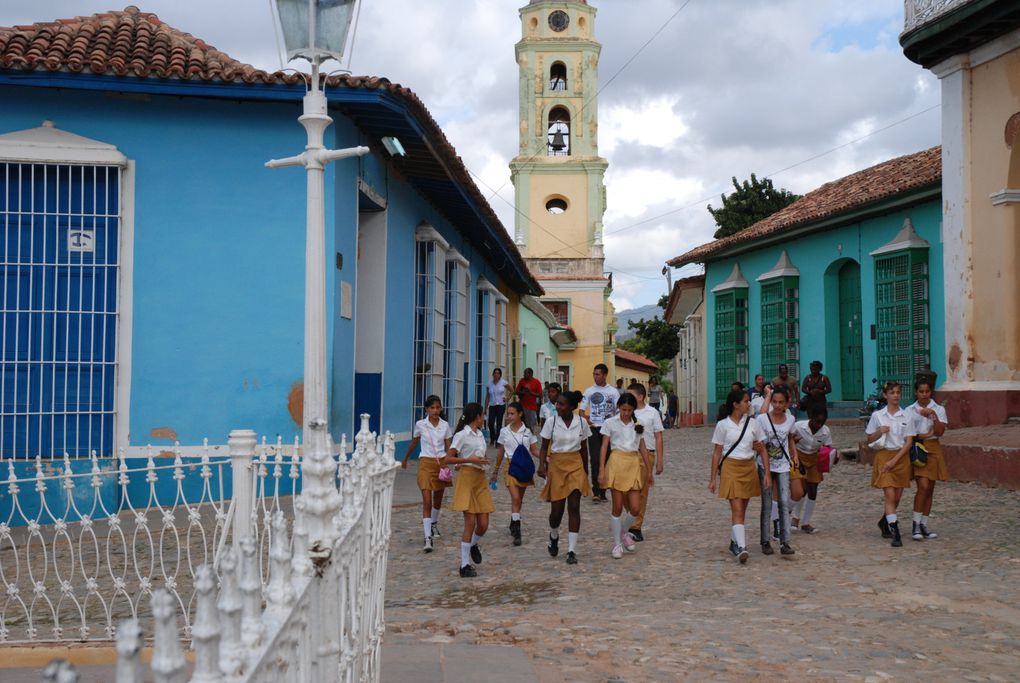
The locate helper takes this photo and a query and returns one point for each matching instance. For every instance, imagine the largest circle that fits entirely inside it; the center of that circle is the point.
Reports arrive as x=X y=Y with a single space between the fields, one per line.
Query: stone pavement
x=847 y=606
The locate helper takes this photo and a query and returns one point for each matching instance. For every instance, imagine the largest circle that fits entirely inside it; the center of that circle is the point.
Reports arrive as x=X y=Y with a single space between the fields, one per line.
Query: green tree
x=750 y=202
x=654 y=339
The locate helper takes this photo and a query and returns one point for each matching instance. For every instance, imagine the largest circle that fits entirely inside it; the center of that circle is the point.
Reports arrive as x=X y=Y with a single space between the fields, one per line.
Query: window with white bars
x=503 y=336
x=485 y=337
x=458 y=284
x=429 y=321
x=59 y=307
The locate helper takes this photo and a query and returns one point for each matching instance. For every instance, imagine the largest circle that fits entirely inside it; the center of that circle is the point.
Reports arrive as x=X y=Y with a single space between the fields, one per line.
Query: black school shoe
x=636 y=534
x=766 y=549
x=884 y=526
x=785 y=549
x=734 y=548
x=571 y=557
x=467 y=571
x=476 y=554
x=515 y=530
x=927 y=534
x=897 y=542
x=554 y=545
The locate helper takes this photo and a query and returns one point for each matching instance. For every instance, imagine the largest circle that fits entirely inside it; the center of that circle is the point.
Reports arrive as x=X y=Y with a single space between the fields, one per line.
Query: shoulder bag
x=445 y=473
x=736 y=443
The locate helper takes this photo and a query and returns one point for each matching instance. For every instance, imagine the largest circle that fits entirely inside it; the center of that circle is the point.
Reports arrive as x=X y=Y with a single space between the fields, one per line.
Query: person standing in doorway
x=815 y=387
x=598 y=404
x=495 y=403
x=529 y=392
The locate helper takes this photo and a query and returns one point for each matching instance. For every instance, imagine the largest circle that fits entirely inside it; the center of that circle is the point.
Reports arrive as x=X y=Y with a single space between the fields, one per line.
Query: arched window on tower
x=558 y=132
x=558 y=76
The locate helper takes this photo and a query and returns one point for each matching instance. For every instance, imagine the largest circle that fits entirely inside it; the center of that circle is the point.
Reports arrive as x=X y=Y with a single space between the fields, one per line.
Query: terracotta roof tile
x=629 y=358
x=856 y=190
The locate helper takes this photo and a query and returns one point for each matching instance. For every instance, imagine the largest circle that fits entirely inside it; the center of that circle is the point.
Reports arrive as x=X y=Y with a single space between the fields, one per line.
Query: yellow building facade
x=558 y=178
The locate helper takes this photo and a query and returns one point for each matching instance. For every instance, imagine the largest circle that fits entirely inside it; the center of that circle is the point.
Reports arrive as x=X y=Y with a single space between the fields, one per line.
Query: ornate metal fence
x=919 y=12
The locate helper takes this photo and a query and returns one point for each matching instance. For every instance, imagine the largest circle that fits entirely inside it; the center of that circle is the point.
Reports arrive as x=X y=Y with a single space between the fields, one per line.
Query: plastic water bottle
x=492 y=485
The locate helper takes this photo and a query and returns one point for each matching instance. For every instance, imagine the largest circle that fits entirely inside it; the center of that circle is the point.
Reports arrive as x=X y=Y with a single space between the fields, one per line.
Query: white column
x=241 y=446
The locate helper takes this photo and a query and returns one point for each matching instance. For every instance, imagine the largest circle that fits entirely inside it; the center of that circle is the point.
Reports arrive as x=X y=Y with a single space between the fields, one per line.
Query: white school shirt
x=901 y=425
x=727 y=432
x=777 y=461
x=808 y=442
x=600 y=403
x=547 y=411
x=497 y=392
x=622 y=437
x=924 y=425
x=565 y=439
x=651 y=420
x=432 y=439
x=510 y=439
x=469 y=443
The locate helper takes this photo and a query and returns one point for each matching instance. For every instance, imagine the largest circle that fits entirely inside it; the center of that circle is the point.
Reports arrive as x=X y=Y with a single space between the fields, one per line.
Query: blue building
x=153 y=268
x=850 y=274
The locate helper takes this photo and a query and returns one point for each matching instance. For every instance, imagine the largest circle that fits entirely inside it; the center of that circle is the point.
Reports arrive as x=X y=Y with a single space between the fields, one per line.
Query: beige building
x=558 y=178
x=686 y=308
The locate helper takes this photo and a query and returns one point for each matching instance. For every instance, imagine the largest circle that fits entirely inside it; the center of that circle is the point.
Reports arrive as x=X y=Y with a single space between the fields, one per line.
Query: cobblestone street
x=847 y=606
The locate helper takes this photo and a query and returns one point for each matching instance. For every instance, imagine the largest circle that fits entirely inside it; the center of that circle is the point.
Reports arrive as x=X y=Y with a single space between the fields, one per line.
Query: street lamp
x=316 y=30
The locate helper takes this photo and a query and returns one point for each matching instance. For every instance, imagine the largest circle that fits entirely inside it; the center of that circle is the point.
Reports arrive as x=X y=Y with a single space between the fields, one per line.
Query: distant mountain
x=641 y=313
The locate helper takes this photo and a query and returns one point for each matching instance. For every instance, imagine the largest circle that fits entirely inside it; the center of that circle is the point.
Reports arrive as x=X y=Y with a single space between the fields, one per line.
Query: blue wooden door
x=60 y=256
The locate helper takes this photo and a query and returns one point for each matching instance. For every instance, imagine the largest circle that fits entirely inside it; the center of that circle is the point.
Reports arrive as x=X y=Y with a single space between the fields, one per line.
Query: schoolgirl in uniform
x=891 y=432
x=809 y=435
x=470 y=491
x=629 y=470
x=433 y=433
x=737 y=437
x=563 y=463
x=930 y=422
x=776 y=424
x=515 y=434
x=650 y=418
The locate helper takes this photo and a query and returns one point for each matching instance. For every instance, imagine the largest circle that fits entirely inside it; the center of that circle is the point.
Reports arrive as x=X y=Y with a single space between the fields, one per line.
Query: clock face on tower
x=558 y=20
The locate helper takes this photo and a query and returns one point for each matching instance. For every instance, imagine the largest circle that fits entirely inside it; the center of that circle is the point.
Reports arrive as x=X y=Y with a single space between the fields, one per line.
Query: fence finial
x=205 y=633
x=251 y=595
x=280 y=592
x=229 y=606
x=168 y=663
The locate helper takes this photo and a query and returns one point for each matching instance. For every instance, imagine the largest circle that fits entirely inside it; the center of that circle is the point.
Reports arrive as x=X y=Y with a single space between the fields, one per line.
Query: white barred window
x=429 y=316
x=458 y=284
x=485 y=337
x=502 y=336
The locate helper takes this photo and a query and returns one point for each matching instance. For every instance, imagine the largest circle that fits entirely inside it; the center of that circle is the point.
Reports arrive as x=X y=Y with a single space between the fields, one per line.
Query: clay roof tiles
x=631 y=359
x=857 y=190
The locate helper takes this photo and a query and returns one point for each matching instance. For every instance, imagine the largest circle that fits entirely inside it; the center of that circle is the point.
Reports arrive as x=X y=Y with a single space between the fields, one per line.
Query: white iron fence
x=919 y=12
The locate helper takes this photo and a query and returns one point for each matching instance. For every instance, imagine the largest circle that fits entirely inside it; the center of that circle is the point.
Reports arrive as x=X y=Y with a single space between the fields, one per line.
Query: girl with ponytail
x=470 y=492
x=563 y=462
x=625 y=473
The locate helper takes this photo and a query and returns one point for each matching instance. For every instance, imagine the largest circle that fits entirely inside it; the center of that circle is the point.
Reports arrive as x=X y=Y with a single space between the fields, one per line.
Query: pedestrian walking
x=890 y=433
x=495 y=403
x=517 y=439
x=930 y=423
x=758 y=393
x=598 y=404
x=623 y=473
x=672 y=409
x=655 y=395
x=776 y=424
x=433 y=434
x=810 y=436
x=563 y=463
x=548 y=409
x=815 y=388
x=651 y=419
x=529 y=393
x=470 y=491
x=737 y=437
x=784 y=378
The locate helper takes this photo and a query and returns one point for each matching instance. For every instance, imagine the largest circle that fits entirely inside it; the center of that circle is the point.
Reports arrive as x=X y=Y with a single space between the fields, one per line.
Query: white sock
x=891 y=518
x=426 y=523
x=809 y=508
x=626 y=521
x=435 y=515
x=738 y=535
x=733 y=534
x=797 y=507
x=614 y=525
x=554 y=533
x=917 y=517
x=465 y=554
x=515 y=516
x=571 y=541
x=924 y=520
x=474 y=539
x=775 y=511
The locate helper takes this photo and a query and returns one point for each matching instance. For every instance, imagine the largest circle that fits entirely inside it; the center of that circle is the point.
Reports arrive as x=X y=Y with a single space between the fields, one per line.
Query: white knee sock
x=924 y=520
x=626 y=521
x=426 y=524
x=614 y=525
x=809 y=508
x=775 y=511
x=474 y=539
x=891 y=518
x=554 y=532
x=797 y=507
x=515 y=516
x=571 y=541
x=738 y=535
x=465 y=554
x=917 y=517
x=435 y=515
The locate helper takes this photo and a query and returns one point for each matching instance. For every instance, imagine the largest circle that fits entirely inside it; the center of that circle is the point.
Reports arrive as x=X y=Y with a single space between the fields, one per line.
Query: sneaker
x=897 y=542
x=926 y=533
x=428 y=544
x=571 y=557
x=617 y=551
x=785 y=549
x=636 y=535
x=915 y=532
x=476 y=554
x=435 y=530
x=595 y=498
x=883 y=525
x=627 y=542
x=742 y=555
x=554 y=545
x=766 y=549
x=808 y=529
x=515 y=531
x=467 y=571
x=602 y=497
x=734 y=548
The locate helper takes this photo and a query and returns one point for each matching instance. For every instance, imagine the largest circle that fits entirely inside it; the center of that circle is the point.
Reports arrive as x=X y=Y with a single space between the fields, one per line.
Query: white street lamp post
x=316 y=30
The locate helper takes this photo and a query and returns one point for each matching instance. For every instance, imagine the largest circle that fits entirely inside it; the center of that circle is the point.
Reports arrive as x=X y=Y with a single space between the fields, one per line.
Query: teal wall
x=820 y=253
x=535 y=338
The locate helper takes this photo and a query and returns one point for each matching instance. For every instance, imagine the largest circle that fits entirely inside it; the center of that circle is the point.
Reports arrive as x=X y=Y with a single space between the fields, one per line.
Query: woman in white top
x=470 y=491
x=737 y=437
x=495 y=403
x=563 y=462
x=651 y=419
x=628 y=471
x=433 y=433
x=809 y=435
x=930 y=422
x=776 y=424
x=515 y=435
x=891 y=433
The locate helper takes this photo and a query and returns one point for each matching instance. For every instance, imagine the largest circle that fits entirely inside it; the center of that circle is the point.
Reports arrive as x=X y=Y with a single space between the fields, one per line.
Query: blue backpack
x=522 y=467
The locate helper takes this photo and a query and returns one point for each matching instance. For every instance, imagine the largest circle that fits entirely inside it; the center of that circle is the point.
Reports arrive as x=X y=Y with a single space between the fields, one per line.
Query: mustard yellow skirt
x=566 y=474
x=624 y=470
x=898 y=477
x=428 y=475
x=739 y=479
x=471 y=491
x=513 y=481
x=811 y=474
x=935 y=469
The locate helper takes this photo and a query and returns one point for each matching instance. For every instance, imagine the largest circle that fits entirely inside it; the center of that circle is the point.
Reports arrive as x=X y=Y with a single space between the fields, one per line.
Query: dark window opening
x=558 y=76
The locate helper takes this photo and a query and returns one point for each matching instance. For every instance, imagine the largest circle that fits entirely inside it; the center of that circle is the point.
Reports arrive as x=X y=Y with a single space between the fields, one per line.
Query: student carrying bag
x=522 y=467
x=736 y=443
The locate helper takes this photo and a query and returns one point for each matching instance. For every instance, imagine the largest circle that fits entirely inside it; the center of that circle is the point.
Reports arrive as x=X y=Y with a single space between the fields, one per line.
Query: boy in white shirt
x=598 y=404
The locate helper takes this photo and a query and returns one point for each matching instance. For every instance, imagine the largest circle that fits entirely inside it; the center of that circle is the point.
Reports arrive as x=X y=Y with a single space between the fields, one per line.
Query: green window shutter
x=780 y=325
x=730 y=340
x=901 y=300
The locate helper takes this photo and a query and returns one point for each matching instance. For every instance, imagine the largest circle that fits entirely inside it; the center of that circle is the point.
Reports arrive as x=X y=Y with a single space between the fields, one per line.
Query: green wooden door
x=851 y=345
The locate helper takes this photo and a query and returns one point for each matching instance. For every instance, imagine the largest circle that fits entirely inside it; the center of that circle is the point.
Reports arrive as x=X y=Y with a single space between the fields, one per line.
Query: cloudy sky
x=802 y=90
